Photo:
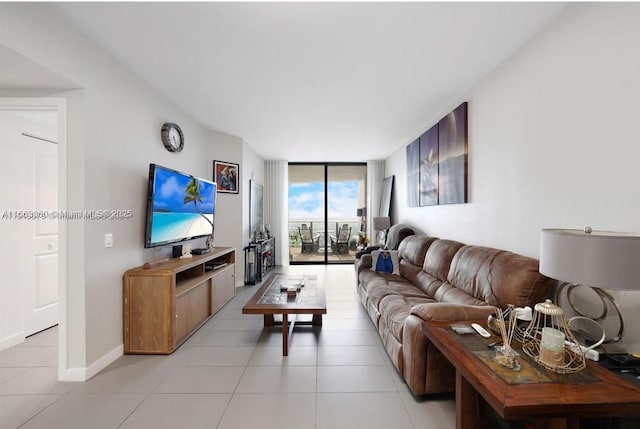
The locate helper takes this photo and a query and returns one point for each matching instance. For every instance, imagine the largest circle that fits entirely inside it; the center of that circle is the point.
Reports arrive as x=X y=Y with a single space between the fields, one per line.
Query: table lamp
x=597 y=259
x=362 y=214
x=382 y=224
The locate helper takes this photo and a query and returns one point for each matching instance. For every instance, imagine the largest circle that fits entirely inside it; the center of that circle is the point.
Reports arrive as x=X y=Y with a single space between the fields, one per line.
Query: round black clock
x=172 y=137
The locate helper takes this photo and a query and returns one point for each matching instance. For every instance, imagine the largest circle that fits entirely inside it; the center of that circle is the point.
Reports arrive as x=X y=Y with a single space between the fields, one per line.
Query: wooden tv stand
x=165 y=304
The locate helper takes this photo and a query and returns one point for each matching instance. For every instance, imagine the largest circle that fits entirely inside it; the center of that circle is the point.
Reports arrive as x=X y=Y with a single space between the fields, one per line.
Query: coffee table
x=269 y=300
x=596 y=392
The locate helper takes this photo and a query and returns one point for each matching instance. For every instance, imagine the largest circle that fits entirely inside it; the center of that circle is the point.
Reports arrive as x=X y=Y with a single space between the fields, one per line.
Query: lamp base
x=595 y=304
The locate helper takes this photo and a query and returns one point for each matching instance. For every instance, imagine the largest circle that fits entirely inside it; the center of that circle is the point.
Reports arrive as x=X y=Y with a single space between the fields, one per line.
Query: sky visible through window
x=306 y=200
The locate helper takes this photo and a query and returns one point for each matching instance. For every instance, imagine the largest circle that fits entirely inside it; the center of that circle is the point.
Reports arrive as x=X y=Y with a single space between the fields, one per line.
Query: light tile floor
x=230 y=374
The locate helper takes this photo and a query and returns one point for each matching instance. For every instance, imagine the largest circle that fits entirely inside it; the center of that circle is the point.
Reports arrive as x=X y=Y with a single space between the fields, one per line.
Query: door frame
x=59 y=105
x=326 y=166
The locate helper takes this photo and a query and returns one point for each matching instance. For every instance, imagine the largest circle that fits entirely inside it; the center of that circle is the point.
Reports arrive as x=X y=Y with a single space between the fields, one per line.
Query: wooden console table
x=165 y=304
x=602 y=394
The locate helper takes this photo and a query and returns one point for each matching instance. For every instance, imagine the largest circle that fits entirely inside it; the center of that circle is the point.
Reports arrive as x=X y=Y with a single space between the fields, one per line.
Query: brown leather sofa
x=441 y=280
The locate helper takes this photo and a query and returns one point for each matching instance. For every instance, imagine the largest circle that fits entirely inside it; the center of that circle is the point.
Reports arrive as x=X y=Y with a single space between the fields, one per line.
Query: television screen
x=179 y=207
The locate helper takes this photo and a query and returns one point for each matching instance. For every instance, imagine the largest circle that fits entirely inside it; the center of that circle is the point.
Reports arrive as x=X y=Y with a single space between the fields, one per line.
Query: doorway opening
x=34 y=172
x=327 y=212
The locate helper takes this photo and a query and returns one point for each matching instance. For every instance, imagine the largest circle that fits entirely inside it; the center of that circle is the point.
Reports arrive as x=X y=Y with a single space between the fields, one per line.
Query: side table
x=602 y=394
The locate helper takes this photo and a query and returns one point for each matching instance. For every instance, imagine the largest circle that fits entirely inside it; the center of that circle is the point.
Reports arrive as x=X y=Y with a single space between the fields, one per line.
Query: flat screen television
x=180 y=207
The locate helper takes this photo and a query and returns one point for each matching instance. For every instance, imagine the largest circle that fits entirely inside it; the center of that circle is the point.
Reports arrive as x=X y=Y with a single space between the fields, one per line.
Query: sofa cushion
x=447 y=293
x=496 y=277
x=439 y=256
x=368 y=277
x=395 y=309
x=385 y=261
x=436 y=265
x=412 y=251
x=376 y=290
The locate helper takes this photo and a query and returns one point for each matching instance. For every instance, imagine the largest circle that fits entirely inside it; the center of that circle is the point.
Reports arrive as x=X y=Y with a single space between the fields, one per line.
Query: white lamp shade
x=608 y=260
x=381 y=223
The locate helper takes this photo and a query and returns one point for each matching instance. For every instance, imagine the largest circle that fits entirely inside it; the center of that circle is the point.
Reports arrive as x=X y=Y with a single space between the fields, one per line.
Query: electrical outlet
x=108 y=240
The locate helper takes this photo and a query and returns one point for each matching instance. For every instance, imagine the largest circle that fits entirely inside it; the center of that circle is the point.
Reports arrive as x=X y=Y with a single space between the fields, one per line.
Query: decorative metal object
x=550 y=342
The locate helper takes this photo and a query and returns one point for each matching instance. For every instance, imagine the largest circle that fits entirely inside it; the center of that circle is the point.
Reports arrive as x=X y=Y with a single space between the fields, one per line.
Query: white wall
x=229 y=207
x=253 y=169
x=553 y=141
x=114 y=133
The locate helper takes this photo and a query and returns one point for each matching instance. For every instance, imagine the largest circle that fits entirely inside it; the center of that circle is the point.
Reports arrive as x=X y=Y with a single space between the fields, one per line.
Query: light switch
x=108 y=240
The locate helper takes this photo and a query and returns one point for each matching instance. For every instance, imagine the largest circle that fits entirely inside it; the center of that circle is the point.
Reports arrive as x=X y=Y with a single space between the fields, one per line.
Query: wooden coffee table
x=598 y=393
x=269 y=300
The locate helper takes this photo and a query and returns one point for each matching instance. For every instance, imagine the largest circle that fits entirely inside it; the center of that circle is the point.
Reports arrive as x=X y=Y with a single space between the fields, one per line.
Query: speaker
x=177 y=251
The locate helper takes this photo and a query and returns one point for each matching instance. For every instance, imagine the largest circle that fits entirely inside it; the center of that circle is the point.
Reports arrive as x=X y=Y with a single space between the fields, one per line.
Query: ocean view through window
x=323 y=204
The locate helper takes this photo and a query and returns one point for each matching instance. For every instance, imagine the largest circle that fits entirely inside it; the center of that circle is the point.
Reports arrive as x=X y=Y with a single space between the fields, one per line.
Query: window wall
x=326 y=211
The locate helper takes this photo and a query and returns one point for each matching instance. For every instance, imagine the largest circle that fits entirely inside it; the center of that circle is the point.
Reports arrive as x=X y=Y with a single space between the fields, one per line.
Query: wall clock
x=172 y=137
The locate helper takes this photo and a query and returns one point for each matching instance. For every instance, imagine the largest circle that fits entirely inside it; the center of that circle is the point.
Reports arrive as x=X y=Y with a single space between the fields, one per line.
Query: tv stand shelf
x=165 y=304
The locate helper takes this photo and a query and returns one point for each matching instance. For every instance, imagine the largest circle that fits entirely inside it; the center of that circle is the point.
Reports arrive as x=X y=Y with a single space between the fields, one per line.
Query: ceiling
x=313 y=81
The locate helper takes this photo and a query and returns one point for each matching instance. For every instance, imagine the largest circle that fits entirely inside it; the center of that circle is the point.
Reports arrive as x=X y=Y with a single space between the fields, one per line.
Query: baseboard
x=14 y=340
x=71 y=374
x=84 y=374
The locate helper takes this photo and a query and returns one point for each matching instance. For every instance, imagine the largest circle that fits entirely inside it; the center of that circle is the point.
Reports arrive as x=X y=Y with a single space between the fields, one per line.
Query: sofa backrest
x=411 y=254
x=396 y=234
x=435 y=268
x=480 y=275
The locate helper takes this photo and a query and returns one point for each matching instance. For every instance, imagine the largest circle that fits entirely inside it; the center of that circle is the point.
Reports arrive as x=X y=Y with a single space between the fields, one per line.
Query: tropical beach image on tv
x=180 y=207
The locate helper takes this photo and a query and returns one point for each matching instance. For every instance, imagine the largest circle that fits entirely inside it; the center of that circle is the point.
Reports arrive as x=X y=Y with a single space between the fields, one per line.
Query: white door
x=40 y=248
x=28 y=193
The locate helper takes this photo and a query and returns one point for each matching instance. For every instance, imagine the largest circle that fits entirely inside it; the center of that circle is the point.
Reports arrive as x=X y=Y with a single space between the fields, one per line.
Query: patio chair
x=310 y=243
x=340 y=244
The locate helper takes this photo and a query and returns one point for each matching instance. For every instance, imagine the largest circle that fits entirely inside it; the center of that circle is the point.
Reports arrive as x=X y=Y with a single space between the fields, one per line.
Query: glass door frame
x=327 y=165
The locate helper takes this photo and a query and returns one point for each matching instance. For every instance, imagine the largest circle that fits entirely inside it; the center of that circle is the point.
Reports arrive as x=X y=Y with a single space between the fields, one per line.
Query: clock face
x=172 y=137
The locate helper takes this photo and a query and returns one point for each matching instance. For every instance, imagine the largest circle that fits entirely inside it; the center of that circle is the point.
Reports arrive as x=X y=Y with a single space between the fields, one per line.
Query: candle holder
x=550 y=342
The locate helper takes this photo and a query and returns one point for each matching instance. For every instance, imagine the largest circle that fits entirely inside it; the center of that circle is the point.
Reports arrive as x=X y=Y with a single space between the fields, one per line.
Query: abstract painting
x=429 y=167
x=413 y=173
x=255 y=208
x=453 y=153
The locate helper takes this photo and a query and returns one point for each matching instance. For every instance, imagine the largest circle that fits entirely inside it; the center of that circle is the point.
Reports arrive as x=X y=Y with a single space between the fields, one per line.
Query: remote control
x=480 y=330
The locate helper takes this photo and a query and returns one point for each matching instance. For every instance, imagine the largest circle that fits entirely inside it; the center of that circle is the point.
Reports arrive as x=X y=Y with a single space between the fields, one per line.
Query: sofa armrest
x=367 y=251
x=364 y=263
x=443 y=312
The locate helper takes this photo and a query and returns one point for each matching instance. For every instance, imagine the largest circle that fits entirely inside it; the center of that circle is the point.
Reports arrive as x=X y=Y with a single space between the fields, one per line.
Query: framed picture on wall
x=255 y=208
x=429 y=167
x=413 y=176
x=226 y=175
x=453 y=151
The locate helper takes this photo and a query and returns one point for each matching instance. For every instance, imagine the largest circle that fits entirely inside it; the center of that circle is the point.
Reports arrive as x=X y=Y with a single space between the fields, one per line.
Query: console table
x=165 y=304
x=602 y=394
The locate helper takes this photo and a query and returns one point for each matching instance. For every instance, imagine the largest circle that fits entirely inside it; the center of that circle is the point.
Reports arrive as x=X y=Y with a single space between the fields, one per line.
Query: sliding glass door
x=326 y=211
